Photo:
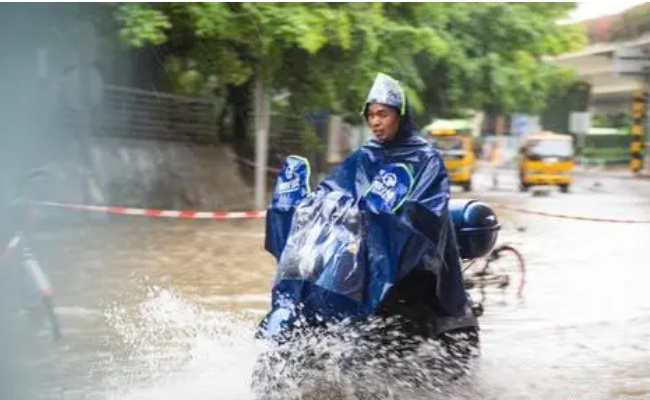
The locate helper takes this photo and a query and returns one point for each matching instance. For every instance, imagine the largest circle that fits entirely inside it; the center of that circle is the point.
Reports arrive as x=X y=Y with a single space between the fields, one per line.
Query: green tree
x=495 y=59
x=324 y=55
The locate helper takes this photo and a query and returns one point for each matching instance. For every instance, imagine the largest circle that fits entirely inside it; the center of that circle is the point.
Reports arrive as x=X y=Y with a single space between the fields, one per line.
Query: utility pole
x=262 y=117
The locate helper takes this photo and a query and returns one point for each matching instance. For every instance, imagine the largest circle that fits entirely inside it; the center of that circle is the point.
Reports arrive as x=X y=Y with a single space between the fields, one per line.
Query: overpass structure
x=611 y=92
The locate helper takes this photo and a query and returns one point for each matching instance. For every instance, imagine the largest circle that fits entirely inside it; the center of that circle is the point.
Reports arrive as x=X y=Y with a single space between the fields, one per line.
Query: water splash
x=170 y=348
x=373 y=361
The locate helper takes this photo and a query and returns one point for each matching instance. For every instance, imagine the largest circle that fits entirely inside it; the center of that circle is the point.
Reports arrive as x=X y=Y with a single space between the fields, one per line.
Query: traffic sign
x=631 y=61
x=580 y=122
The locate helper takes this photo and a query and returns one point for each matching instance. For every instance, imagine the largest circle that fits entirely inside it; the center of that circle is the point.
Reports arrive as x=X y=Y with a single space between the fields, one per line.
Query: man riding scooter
x=374 y=241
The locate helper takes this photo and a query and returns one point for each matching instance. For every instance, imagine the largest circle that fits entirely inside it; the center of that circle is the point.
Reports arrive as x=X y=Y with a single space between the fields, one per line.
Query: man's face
x=383 y=120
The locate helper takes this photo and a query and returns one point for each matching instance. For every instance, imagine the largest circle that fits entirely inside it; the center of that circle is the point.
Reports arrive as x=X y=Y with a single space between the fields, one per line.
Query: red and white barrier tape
x=188 y=214
x=572 y=217
x=149 y=212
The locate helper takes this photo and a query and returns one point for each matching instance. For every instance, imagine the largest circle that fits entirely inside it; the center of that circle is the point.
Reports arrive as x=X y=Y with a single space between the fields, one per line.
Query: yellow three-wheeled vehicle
x=454 y=141
x=546 y=159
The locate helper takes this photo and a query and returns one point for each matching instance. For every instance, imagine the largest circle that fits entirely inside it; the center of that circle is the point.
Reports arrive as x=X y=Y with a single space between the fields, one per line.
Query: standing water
x=164 y=310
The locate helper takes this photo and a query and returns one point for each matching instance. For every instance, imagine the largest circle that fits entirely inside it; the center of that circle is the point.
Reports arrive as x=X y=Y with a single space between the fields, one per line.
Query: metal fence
x=134 y=113
x=150 y=115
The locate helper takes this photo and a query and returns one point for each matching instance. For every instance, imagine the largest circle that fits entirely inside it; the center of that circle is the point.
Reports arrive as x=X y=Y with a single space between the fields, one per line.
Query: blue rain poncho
x=378 y=216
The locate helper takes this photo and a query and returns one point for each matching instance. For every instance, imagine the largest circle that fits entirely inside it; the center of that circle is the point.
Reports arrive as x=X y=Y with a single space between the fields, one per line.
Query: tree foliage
x=495 y=58
x=450 y=56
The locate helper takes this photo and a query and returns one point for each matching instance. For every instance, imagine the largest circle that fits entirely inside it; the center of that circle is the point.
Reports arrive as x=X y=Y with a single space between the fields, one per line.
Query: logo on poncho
x=389 y=180
x=291 y=181
x=389 y=189
x=384 y=187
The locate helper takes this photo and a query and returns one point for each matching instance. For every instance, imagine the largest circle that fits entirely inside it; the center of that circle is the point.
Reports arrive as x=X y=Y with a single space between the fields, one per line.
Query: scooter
x=321 y=318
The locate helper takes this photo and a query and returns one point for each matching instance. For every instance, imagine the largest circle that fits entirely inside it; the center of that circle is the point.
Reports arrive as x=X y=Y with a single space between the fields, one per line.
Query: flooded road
x=160 y=309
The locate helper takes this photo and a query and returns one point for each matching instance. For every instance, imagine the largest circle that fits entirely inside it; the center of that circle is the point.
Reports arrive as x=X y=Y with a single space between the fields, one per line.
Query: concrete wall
x=148 y=174
x=169 y=175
